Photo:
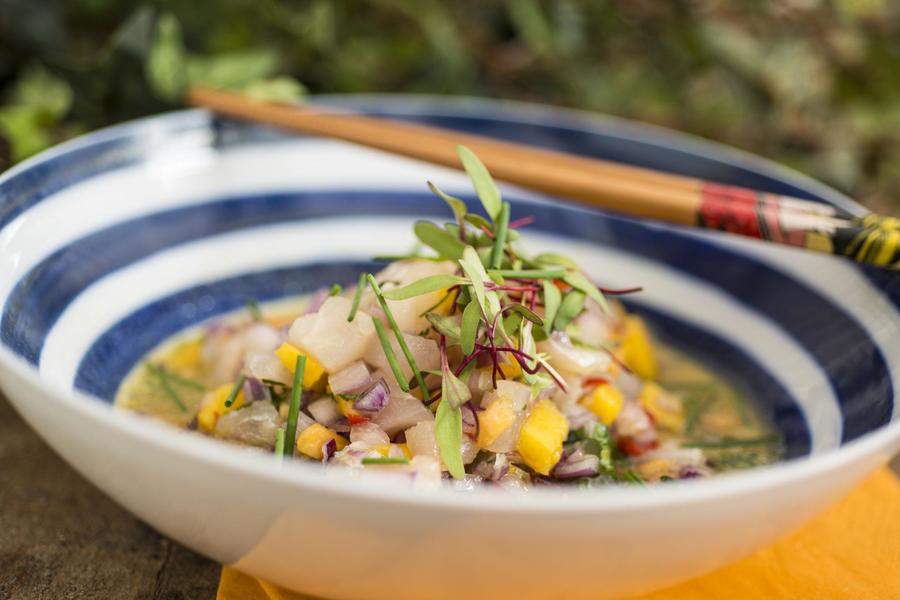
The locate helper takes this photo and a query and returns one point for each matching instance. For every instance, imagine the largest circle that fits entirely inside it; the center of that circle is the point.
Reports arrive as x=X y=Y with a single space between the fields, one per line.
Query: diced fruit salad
x=474 y=361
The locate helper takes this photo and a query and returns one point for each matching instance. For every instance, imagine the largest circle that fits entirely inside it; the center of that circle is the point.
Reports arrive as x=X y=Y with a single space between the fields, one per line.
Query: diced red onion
x=578 y=416
x=689 y=472
x=254 y=390
x=576 y=464
x=470 y=425
x=316 y=301
x=374 y=400
x=352 y=379
x=325 y=411
x=328 y=450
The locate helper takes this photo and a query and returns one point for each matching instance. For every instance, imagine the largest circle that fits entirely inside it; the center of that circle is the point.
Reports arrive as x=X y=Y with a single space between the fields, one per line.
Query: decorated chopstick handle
x=872 y=239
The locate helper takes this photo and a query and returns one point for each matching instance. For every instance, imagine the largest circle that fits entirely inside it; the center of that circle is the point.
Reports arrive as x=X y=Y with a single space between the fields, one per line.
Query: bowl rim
x=302 y=476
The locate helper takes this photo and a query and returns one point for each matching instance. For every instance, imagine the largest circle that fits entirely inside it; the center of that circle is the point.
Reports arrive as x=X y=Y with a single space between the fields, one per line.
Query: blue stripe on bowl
x=860 y=377
x=118 y=350
x=739 y=368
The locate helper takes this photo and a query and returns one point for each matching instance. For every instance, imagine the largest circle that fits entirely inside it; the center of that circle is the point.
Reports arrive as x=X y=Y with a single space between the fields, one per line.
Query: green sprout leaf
x=425 y=285
x=456 y=205
x=448 y=421
x=446 y=326
x=571 y=306
x=525 y=312
x=550 y=259
x=482 y=181
x=479 y=221
x=581 y=283
x=552 y=300
x=442 y=241
x=469 y=327
x=474 y=270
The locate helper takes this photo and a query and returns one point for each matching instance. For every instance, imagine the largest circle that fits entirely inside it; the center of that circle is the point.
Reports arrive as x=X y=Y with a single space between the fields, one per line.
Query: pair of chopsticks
x=633 y=191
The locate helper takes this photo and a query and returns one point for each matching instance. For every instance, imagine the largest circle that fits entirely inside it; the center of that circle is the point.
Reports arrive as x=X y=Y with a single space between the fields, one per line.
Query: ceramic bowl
x=114 y=241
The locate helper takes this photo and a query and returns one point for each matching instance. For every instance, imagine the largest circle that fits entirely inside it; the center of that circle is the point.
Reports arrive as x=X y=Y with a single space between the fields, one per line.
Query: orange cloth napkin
x=850 y=551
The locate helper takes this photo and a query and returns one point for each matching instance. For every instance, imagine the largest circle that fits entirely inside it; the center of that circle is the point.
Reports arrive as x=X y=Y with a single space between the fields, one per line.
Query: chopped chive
x=163 y=377
x=253 y=309
x=176 y=378
x=336 y=289
x=396 y=257
x=279 y=444
x=385 y=460
x=391 y=357
x=729 y=442
x=357 y=296
x=502 y=229
x=420 y=380
x=294 y=411
x=529 y=273
x=631 y=477
x=232 y=395
x=694 y=407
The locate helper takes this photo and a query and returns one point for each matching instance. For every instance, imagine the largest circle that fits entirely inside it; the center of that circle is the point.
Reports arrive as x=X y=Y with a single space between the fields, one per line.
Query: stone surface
x=61 y=538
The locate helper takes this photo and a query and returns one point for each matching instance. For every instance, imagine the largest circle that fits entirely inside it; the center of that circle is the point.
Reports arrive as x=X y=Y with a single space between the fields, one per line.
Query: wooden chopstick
x=629 y=190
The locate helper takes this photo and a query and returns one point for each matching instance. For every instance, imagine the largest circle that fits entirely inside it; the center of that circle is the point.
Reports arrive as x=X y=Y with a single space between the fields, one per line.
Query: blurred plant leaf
x=166 y=67
x=135 y=34
x=276 y=89
x=530 y=24
x=40 y=90
x=232 y=70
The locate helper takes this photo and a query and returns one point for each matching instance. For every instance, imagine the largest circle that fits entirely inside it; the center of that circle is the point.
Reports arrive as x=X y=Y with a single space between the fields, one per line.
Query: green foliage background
x=814 y=84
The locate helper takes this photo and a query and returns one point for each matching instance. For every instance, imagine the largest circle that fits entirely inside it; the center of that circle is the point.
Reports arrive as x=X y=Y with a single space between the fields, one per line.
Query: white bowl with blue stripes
x=114 y=241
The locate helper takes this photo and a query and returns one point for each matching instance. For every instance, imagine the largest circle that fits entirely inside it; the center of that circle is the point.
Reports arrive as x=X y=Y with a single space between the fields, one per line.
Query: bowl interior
x=118 y=240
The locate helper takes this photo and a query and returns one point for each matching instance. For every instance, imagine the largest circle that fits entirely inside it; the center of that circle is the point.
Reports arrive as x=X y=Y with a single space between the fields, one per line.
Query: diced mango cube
x=541 y=438
x=637 y=349
x=510 y=368
x=345 y=406
x=605 y=401
x=494 y=420
x=186 y=356
x=313 y=438
x=314 y=373
x=665 y=408
x=213 y=406
x=447 y=304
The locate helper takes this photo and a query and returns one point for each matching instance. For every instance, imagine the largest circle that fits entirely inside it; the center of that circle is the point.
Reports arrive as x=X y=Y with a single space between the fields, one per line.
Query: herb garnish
x=385 y=460
x=279 y=444
x=357 y=296
x=253 y=309
x=730 y=442
x=163 y=377
x=294 y=410
x=420 y=380
x=235 y=390
x=391 y=357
